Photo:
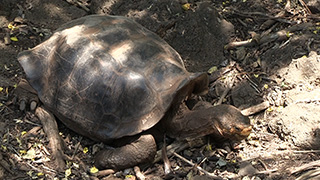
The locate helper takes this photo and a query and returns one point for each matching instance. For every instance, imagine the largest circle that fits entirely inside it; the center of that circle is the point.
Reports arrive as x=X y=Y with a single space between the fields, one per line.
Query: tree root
x=50 y=127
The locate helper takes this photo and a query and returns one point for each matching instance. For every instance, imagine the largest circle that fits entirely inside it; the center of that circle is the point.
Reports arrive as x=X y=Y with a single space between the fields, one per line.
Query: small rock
x=7 y=40
x=246 y=169
x=283 y=146
x=221 y=162
x=187 y=153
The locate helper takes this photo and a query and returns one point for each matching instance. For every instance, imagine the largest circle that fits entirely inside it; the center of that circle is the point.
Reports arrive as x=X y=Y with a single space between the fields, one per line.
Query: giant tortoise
x=108 y=78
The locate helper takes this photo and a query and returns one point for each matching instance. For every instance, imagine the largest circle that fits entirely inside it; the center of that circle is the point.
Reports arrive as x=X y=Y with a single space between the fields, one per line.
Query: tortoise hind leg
x=141 y=150
x=50 y=127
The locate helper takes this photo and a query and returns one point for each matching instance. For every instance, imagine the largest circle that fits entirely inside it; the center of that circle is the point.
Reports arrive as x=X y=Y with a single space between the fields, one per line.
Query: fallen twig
x=76 y=148
x=138 y=173
x=305 y=167
x=280 y=35
x=260 y=14
x=105 y=172
x=257 y=108
x=166 y=162
x=312 y=174
x=198 y=167
x=77 y=3
x=305 y=6
x=270 y=22
x=307 y=151
x=267 y=171
x=176 y=146
x=226 y=91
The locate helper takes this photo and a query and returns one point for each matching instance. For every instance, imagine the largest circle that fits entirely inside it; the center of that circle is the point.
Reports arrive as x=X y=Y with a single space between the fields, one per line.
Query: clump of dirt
x=300 y=115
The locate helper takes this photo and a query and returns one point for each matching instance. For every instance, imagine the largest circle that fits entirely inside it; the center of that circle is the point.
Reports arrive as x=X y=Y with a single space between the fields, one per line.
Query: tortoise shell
x=106 y=77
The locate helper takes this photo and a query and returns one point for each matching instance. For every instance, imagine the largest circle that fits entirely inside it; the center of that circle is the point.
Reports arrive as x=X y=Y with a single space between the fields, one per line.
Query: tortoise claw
x=26 y=95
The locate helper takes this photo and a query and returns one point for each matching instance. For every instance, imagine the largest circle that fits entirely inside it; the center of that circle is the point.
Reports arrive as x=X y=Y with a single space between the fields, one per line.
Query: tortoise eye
x=237 y=128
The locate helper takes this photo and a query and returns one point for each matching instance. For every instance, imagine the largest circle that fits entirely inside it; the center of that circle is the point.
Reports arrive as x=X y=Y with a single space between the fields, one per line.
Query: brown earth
x=283 y=71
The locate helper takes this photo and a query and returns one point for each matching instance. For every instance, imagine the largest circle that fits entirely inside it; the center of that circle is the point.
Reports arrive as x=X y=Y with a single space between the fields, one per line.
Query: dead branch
x=226 y=91
x=312 y=174
x=176 y=146
x=198 y=167
x=260 y=15
x=138 y=173
x=257 y=108
x=270 y=22
x=105 y=172
x=305 y=167
x=305 y=6
x=166 y=162
x=80 y=4
x=278 y=36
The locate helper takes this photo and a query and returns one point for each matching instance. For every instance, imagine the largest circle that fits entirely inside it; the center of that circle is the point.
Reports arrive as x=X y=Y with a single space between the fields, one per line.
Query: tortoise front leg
x=50 y=127
x=139 y=151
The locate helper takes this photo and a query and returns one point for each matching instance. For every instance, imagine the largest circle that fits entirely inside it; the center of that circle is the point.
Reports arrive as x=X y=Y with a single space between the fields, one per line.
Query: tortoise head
x=230 y=123
x=223 y=122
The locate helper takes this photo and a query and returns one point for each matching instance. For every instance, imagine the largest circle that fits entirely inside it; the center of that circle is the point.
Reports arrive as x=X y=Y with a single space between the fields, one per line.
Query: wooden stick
x=305 y=167
x=226 y=91
x=198 y=167
x=138 y=173
x=257 y=108
x=305 y=6
x=105 y=172
x=280 y=35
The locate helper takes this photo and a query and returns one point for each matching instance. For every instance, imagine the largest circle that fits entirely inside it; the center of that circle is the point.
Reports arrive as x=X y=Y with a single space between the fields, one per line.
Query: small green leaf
x=23 y=133
x=186 y=6
x=212 y=69
x=288 y=34
x=94 y=170
x=68 y=172
x=14 y=38
x=209 y=147
x=85 y=150
x=10 y=26
x=23 y=151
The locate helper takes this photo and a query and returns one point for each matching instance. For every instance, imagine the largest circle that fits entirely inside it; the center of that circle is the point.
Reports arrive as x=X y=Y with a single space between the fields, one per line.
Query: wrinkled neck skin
x=223 y=122
x=192 y=124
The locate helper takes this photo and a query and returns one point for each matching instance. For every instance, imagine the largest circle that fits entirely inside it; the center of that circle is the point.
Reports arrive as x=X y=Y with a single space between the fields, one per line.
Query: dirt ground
x=255 y=50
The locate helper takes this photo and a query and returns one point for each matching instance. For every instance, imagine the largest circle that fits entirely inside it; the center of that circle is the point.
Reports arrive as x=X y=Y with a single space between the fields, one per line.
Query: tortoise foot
x=26 y=96
x=141 y=150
